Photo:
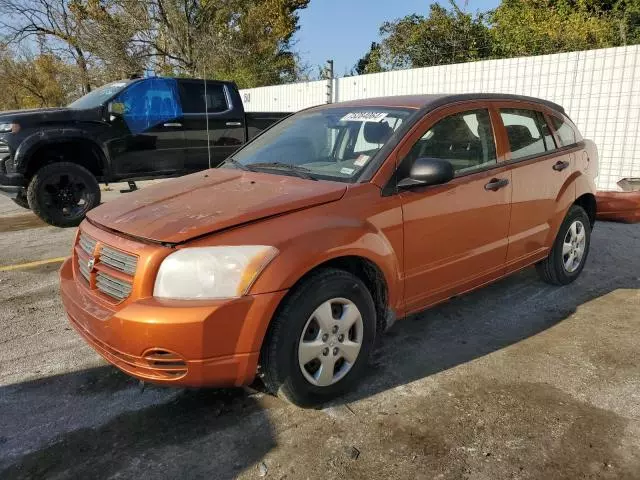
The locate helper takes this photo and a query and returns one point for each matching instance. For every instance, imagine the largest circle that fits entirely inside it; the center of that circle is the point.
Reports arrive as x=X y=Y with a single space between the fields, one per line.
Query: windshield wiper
x=301 y=172
x=237 y=164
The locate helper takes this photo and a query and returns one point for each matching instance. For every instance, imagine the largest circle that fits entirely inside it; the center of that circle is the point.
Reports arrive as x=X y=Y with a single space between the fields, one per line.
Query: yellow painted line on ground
x=21 y=266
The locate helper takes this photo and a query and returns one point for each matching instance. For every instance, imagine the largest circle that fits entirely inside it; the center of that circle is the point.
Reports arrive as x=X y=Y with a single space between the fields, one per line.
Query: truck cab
x=52 y=160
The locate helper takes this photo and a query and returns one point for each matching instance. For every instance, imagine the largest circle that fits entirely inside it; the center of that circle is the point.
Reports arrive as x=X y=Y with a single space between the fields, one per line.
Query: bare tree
x=24 y=19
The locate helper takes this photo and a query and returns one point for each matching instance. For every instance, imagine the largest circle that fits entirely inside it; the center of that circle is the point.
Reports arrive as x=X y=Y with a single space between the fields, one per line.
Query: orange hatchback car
x=289 y=259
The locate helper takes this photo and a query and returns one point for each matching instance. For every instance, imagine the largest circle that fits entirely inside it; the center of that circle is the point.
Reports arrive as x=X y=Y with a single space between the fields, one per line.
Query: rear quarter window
x=565 y=131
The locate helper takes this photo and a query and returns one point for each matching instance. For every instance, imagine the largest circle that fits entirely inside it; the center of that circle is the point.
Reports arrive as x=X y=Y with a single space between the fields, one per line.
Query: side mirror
x=115 y=108
x=428 y=171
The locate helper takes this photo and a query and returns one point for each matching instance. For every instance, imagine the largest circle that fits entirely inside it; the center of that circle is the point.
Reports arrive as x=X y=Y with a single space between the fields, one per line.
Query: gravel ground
x=519 y=380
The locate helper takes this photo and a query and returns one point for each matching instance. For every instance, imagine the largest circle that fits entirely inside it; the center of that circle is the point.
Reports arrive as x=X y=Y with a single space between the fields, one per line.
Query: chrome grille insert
x=87 y=244
x=114 y=287
x=84 y=270
x=110 y=263
x=120 y=261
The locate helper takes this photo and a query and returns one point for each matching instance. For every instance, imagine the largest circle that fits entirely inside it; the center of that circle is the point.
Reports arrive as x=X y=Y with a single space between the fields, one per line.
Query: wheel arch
x=368 y=271
x=51 y=147
x=588 y=202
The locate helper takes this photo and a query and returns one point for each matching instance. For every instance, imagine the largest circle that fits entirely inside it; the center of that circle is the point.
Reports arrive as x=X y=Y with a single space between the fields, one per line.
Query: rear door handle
x=234 y=124
x=172 y=125
x=496 y=184
x=558 y=167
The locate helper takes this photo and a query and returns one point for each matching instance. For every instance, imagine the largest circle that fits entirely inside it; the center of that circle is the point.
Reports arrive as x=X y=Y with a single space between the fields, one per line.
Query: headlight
x=9 y=127
x=211 y=272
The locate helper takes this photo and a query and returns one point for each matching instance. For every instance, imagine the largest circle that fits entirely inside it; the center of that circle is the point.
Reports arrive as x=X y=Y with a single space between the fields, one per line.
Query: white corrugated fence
x=600 y=90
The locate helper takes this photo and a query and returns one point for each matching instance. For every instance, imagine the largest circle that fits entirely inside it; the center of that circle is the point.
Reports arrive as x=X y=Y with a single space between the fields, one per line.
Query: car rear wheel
x=319 y=343
x=570 y=249
x=62 y=193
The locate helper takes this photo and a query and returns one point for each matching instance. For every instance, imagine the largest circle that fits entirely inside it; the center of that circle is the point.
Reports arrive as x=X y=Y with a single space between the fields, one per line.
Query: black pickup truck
x=51 y=160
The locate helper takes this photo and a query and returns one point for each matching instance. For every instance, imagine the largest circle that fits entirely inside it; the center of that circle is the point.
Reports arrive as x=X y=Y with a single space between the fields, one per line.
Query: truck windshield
x=99 y=96
x=331 y=143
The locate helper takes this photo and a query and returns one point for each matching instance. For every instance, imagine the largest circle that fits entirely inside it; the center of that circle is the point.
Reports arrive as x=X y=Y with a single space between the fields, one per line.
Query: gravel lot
x=519 y=380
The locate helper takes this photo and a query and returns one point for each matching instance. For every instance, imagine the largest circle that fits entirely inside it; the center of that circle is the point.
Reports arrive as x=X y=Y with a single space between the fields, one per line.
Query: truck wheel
x=570 y=249
x=319 y=343
x=21 y=200
x=62 y=193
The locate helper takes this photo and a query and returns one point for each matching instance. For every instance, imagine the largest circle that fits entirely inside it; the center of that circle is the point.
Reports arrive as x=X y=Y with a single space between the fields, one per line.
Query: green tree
x=536 y=27
x=443 y=36
x=371 y=62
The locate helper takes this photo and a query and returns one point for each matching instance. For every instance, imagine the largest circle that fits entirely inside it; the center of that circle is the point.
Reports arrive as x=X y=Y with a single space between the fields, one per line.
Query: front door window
x=148 y=104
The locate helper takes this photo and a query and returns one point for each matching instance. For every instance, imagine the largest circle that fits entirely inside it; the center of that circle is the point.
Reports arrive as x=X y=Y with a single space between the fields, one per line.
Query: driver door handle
x=172 y=125
x=496 y=184
x=558 y=167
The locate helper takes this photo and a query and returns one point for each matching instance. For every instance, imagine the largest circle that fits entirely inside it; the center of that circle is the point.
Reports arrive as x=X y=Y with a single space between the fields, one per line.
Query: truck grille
x=105 y=269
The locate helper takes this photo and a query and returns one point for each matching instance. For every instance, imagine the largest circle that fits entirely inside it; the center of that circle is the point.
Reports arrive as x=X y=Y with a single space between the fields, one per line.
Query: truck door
x=148 y=135
x=226 y=122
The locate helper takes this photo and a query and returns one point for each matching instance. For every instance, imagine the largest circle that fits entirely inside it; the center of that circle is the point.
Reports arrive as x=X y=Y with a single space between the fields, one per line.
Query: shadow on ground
x=499 y=315
x=202 y=432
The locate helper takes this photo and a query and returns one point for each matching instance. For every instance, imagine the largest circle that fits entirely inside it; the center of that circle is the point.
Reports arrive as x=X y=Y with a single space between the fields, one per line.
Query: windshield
x=99 y=96
x=332 y=143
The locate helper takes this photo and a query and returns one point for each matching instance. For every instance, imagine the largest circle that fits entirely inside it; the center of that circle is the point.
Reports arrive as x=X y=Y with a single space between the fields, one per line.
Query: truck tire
x=62 y=193
x=319 y=343
x=21 y=201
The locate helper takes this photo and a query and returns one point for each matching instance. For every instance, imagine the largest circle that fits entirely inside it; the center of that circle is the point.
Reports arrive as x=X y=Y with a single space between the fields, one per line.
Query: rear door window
x=565 y=132
x=194 y=99
x=525 y=132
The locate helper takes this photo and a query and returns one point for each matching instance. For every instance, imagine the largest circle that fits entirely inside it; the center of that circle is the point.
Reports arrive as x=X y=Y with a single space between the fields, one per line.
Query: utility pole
x=329 y=75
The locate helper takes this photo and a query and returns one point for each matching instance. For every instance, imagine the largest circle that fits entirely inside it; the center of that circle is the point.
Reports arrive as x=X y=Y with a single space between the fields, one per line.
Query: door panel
x=148 y=134
x=456 y=235
x=226 y=123
x=536 y=187
x=537 y=184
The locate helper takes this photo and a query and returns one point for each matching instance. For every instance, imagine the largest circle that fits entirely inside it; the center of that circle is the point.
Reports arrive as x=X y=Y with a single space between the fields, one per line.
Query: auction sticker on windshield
x=364 y=117
x=361 y=160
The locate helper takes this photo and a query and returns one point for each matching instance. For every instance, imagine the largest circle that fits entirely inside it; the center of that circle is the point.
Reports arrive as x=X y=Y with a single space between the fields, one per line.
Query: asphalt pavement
x=519 y=380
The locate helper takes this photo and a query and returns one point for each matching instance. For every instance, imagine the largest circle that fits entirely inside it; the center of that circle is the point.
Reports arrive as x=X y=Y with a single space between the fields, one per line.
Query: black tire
x=282 y=373
x=553 y=270
x=62 y=193
x=21 y=201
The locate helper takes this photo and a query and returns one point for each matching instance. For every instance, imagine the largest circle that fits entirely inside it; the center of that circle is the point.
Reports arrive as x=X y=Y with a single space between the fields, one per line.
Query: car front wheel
x=320 y=340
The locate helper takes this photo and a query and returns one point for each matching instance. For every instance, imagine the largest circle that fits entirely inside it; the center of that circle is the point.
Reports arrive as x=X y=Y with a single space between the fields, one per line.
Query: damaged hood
x=184 y=208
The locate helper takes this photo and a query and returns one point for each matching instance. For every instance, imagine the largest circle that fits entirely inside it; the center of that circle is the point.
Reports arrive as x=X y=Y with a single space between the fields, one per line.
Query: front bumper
x=186 y=343
x=11 y=184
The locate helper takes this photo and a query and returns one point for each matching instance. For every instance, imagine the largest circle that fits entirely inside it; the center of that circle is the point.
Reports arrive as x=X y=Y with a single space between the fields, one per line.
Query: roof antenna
x=206 y=112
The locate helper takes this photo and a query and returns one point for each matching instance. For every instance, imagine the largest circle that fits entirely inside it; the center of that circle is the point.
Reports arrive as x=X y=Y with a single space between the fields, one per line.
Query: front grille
x=113 y=271
x=84 y=271
x=120 y=261
x=112 y=286
x=88 y=244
